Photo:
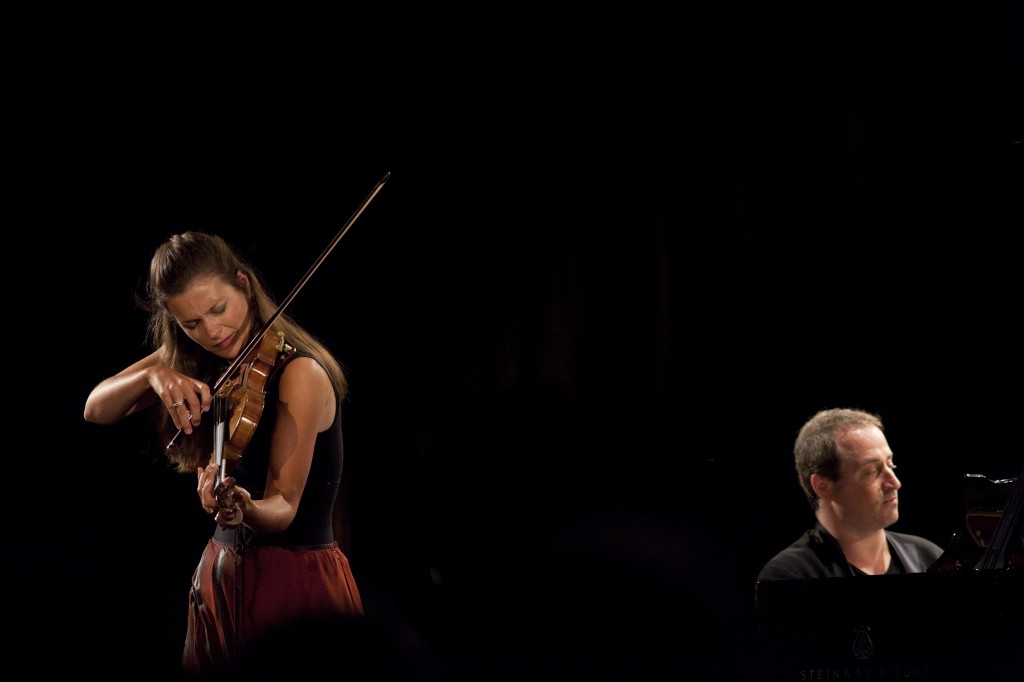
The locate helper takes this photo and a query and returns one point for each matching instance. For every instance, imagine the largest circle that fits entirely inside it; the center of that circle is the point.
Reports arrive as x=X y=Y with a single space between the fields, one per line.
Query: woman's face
x=214 y=314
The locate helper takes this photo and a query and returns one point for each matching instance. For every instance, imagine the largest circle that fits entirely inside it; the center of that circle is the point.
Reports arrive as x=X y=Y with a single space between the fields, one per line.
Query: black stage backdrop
x=620 y=259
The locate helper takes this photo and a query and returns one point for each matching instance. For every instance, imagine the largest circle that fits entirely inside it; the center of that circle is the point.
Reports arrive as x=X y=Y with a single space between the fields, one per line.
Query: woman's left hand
x=226 y=501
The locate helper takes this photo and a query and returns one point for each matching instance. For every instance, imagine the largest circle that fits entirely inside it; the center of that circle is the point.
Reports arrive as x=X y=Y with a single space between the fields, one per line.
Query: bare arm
x=141 y=384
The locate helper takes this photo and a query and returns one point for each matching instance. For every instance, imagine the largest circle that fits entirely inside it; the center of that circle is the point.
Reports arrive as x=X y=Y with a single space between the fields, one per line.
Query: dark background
x=620 y=259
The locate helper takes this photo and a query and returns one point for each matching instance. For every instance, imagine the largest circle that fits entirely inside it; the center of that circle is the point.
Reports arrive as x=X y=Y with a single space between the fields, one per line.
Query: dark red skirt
x=238 y=594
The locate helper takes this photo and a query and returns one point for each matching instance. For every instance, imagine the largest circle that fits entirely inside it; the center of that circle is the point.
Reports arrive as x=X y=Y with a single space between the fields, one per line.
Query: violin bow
x=257 y=338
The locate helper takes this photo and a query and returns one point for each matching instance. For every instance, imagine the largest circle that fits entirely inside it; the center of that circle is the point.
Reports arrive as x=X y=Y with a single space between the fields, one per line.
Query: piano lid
x=991 y=536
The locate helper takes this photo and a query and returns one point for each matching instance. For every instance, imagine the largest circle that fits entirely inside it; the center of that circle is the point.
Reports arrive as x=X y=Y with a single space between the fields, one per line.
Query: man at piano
x=846 y=469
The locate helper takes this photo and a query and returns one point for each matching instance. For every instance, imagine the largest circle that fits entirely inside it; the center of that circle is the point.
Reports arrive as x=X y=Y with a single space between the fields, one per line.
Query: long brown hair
x=175 y=265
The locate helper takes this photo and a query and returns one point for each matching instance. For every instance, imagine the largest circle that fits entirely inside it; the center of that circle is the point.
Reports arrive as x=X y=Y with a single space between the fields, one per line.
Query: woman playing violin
x=273 y=556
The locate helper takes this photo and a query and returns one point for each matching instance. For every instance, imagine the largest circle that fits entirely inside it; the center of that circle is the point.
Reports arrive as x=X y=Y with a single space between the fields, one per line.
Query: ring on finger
x=178 y=404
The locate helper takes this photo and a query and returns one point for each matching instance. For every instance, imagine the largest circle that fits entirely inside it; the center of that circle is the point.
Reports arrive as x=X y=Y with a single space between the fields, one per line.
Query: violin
x=244 y=396
x=240 y=393
x=245 y=393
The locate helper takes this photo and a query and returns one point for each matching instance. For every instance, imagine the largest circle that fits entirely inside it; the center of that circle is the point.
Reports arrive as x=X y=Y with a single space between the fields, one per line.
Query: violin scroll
x=229 y=515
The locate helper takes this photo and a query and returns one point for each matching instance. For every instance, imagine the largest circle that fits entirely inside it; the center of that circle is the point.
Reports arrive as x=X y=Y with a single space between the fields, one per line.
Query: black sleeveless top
x=314 y=520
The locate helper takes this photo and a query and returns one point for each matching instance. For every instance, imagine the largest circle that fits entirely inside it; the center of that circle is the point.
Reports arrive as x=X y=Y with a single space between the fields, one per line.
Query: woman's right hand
x=184 y=397
x=140 y=385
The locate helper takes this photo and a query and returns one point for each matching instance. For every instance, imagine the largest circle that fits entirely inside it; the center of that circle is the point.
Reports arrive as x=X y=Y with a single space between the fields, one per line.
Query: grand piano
x=960 y=621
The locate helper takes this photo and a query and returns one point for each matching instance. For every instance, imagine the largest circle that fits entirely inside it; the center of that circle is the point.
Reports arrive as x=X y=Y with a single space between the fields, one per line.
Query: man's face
x=865 y=497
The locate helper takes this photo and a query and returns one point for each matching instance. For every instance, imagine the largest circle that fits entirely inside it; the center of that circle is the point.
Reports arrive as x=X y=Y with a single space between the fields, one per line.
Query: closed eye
x=216 y=310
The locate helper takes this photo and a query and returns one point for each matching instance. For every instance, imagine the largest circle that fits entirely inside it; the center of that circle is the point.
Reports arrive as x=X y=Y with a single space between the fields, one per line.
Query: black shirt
x=816 y=554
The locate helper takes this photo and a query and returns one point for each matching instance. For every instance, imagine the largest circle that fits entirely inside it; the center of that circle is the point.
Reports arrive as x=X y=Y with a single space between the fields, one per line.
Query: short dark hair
x=815 y=450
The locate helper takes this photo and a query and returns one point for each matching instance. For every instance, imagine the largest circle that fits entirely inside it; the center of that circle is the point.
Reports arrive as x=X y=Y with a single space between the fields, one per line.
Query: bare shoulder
x=306 y=389
x=304 y=376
